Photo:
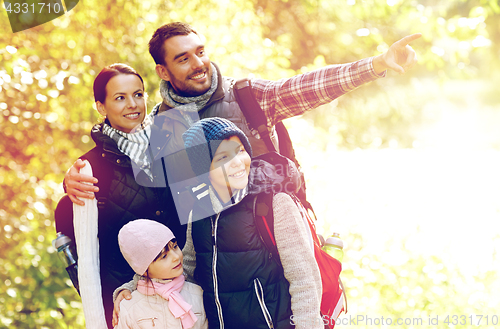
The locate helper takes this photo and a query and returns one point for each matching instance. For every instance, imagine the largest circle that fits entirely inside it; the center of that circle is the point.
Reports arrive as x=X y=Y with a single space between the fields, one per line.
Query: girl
x=162 y=299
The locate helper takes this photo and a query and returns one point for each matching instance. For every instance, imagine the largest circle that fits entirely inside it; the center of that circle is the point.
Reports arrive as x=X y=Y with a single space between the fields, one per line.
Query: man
x=195 y=88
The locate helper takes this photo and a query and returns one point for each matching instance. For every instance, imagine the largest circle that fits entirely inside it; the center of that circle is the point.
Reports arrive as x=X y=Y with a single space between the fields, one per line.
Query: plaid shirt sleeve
x=290 y=97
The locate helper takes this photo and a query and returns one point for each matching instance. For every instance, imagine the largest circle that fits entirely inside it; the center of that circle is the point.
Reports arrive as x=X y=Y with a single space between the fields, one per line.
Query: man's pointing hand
x=400 y=56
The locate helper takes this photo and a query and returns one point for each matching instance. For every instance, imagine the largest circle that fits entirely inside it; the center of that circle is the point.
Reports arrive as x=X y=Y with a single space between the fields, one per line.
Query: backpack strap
x=257 y=120
x=285 y=143
x=264 y=221
x=252 y=111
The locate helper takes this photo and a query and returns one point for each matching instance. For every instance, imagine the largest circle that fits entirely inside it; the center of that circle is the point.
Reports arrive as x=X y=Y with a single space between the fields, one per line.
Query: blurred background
x=405 y=168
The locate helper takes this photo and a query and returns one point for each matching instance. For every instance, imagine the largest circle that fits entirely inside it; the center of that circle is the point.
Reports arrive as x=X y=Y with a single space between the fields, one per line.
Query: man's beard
x=185 y=89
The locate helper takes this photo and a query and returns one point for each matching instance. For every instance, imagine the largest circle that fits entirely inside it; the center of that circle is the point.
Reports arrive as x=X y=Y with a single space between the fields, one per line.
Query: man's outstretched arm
x=76 y=184
x=293 y=96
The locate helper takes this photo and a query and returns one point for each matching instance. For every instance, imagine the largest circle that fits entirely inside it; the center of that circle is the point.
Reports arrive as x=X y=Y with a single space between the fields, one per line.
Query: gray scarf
x=188 y=104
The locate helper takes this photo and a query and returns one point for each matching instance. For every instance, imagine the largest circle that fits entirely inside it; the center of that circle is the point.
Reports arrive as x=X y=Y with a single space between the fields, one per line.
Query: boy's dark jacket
x=245 y=274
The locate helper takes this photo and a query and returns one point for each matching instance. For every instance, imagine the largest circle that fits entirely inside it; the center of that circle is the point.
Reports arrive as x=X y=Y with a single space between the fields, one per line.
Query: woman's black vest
x=122 y=199
x=244 y=272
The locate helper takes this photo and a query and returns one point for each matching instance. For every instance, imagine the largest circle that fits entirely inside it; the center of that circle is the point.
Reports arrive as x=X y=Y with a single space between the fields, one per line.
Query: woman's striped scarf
x=134 y=145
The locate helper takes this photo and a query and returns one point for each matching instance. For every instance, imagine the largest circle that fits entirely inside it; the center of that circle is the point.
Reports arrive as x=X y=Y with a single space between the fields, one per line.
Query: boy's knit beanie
x=141 y=240
x=203 y=138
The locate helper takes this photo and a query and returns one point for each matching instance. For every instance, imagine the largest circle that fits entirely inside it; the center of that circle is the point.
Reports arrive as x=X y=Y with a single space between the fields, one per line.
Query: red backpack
x=333 y=300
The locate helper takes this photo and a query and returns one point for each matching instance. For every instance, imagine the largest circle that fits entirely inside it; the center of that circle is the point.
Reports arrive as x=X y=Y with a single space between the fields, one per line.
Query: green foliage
x=46 y=99
x=35 y=103
x=396 y=283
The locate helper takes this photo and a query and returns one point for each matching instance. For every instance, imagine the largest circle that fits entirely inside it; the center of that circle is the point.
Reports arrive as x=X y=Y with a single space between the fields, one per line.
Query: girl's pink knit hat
x=141 y=240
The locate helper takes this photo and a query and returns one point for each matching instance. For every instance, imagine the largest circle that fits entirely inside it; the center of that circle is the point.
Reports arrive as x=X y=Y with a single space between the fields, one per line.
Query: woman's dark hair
x=106 y=74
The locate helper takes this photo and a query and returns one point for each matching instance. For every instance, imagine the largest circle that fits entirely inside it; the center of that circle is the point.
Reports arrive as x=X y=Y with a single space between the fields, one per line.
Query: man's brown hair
x=163 y=33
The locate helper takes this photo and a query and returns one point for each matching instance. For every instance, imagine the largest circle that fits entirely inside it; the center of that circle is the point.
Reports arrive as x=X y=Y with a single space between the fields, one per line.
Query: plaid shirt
x=290 y=97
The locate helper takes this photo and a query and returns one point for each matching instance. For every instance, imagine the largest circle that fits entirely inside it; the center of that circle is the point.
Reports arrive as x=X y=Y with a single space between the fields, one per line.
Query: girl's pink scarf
x=171 y=292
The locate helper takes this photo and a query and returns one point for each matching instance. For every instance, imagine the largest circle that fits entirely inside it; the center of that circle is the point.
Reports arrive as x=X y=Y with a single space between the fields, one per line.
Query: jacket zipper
x=214 y=271
x=148 y=319
x=260 y=297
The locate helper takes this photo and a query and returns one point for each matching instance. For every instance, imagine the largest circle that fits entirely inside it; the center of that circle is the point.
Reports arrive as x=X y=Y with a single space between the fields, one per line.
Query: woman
x=125 y=168
x=243 y=287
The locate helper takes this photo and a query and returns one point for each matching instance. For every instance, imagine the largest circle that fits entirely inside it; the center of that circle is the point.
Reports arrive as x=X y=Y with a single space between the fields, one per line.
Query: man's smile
x=198 y=76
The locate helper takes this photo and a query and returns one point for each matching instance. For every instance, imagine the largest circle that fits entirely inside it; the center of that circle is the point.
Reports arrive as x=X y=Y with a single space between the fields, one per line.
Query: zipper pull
x=213 y=230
